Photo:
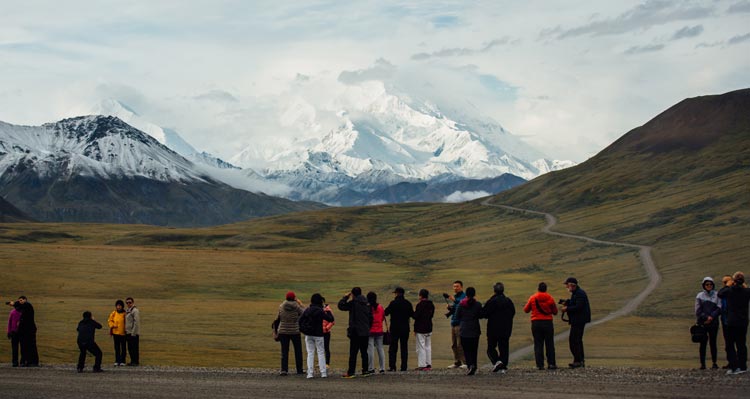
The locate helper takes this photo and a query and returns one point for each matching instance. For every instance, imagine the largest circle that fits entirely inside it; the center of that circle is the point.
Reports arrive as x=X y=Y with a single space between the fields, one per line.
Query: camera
x=446 y=296
x=564 y=302
x=8 y=303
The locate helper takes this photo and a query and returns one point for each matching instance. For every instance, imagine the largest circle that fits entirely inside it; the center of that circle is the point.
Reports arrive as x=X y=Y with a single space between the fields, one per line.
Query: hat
x=398 y=290
x=571 y=280
x=290 y=296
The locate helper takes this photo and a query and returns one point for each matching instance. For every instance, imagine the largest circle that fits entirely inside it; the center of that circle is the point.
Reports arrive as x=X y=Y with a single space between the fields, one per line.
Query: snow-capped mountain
x=166 y=136
x=100 y=169
x=381 y=132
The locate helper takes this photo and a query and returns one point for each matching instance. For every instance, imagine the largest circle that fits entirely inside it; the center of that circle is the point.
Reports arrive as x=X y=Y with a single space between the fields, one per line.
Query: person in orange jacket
x=116 y=324
x=543 y=309
x=327 y=326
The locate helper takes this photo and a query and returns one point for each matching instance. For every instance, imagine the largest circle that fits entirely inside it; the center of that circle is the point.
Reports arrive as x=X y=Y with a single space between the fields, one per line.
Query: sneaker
x=731 y=372
x=715 y=366
x=80 y=370
x=366 y=373
x=324 y=375
x=703 y=367
x=392 y=369
x=552 y=367
x=575 y=365
x=132 y=364
x=99 y=370
x=503 y=371
x=283 y=374
x=382 y=371
x=309 y=376
x=122 y=364
x=740 y=371
x=463 y=366
x=454 y=365
x=347 y=375
x=498 y=366
x=472 y=370
x=540 y=367
x=116 y=364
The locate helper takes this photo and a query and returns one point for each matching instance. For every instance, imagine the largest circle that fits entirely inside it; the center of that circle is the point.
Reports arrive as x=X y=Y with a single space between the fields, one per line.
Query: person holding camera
x=468 y=314
x=453 y=301
x=579 y=313
x=543 y=308
x=27 y=333
x=738 y=302
x=707 y=312
x=360 y=322
x=289 y=313
x=499 y=312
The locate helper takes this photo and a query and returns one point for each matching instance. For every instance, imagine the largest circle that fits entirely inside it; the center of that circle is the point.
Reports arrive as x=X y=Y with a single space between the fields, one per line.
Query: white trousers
x=424 y=349
x=314 y=344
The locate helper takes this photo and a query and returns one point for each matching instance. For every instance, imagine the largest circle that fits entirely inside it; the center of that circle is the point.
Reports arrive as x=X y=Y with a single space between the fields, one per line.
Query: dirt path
x=62 y=382
x=644 y=252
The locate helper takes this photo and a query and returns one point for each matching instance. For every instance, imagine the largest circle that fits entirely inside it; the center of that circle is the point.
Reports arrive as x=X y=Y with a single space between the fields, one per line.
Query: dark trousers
x=358 y=345
x=120 y=348
x=92 y=348
x=15 y=344
x=575 y=340
x=725 y=333
x=497 y=349
x=712 y=330
x=544 y=336
x=401 y=339
x=296 y=340
x=133 y=348
x=327 y=346
x=29 y=353
x=737 y=347
x=471 y=346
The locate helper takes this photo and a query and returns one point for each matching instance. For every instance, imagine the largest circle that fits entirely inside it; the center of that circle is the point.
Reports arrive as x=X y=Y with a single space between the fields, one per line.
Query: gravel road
x=60 y=382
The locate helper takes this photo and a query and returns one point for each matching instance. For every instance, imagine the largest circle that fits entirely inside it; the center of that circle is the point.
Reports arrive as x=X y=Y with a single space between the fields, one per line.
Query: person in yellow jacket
x=117 y=331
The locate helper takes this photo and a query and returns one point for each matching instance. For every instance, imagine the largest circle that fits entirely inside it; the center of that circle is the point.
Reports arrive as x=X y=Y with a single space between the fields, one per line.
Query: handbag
x=387 y=333
x=698 y=333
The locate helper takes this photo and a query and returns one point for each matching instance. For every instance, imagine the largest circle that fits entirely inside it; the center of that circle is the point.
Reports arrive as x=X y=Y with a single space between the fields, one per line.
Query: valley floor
x=153 y=382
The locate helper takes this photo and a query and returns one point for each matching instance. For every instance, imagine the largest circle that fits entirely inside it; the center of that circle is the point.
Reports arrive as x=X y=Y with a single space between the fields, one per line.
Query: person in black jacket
x=401 y=312
x=360 y=321
x=423 y=314
x=579 y=313
x=468 y=313
x=313 y=318
x=499 y=312
x=738 y=301
x=86 y=343
x=27 y=334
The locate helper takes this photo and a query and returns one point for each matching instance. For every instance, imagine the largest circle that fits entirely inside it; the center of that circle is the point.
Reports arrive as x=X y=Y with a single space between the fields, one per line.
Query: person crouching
x=86 y=343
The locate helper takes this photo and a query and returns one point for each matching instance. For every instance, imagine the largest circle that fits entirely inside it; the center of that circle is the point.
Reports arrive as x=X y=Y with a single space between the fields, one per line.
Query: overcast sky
x=568 y=76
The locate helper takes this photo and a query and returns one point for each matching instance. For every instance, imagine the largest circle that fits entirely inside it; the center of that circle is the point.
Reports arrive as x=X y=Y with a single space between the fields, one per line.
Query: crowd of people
x=368 y=328
x=728 y=307
x=124 y=326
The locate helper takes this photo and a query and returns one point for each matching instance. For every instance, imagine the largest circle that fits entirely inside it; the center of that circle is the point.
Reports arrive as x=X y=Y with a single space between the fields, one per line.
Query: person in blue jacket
x=459 y=360
x=579 y=314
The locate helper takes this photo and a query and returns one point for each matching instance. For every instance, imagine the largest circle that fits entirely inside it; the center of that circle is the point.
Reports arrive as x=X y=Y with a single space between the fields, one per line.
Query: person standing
x=133 y=332
x=458 y=351
x=375 y=341
x=314 y=342
x=423 y=314
x=708 y=311
x=289 y=312
x=86 y=342
x=327 y=326
x=726 y=281
x=543 y=308
x=468 y=313
x=14 y=318
x=738 y=301
x=499 y=312
x=27 y=334
x=579 y=313
x=116 y=323
x=401 y=312
x=360 y=322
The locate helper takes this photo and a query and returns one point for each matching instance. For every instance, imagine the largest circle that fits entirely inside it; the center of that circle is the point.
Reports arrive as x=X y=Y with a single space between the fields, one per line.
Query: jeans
x=471 y=346
x=424 y=349
x=120 y=348
x=296 y=340
x=575 y=340
x=497 y=349
x=458 y=350
x=544 y=336
x=134 y=348
x=315 y=344
x=375 y=342
x=93 y=348
x=401 y=339
x=737 y=347
x=712 y=330
x=357 y=345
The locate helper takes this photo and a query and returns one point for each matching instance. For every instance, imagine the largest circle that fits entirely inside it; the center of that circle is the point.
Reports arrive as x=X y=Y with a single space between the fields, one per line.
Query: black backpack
x=697 y=333
x=306 y=323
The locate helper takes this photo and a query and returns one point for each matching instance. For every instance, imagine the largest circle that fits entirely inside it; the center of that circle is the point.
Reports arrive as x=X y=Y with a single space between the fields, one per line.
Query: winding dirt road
x=644 y=252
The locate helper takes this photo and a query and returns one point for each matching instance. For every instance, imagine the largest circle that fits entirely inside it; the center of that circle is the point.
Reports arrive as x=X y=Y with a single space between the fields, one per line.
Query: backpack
x=697 y=333
x=306 y=322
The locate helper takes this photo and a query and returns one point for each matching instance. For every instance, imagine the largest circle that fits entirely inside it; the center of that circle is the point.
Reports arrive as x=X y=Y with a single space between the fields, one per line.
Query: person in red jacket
x=543 y=309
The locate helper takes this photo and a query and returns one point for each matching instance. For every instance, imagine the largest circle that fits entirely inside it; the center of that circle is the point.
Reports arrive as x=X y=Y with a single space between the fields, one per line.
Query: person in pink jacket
x=13 y=319
x=376 y=333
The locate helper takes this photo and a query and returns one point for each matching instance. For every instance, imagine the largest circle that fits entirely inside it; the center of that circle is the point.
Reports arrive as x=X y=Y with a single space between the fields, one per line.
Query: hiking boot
x=498 y=366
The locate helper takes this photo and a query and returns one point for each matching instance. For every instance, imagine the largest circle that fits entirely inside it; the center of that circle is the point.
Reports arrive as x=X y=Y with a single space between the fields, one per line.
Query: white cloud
x=463 y=196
